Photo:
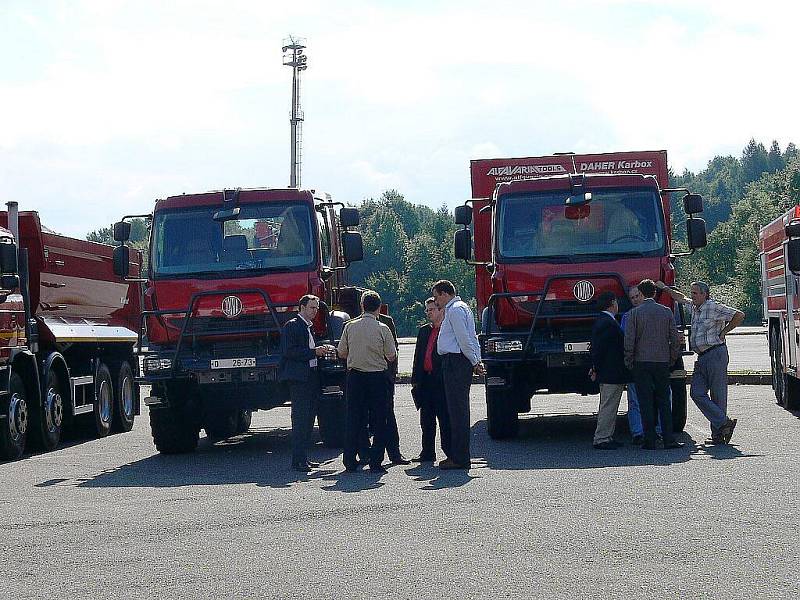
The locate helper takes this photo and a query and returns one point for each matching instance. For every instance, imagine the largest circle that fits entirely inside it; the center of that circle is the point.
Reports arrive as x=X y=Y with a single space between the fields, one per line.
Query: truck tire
x=47 y=420
x=245 y=418
x=173 y=430
x=331 y=418
x=778 y=380
x=14 y=425
x=791 y=392
x=678 y=387
x=221 y=425
x=501 y=414
x=103 y=409
x=124 y=397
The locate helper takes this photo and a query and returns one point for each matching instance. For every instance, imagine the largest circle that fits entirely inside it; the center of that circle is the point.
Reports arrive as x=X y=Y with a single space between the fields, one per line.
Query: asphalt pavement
x=542 y=516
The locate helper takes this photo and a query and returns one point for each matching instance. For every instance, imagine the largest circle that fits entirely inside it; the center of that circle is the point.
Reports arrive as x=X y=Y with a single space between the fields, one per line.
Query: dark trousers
x=457 y=372
x=652 y=389
x=433 y=407
x=304 y=396
x=392 y=434
x=366 y=400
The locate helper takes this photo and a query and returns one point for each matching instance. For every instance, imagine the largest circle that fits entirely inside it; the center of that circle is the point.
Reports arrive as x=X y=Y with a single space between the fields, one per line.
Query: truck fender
x=56 y=361
x=489 y=327
x=24 y=363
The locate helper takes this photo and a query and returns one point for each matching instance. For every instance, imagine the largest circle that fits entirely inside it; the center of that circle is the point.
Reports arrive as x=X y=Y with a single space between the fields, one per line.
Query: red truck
x=67 y=334
x=552 y=233
x=225 y=272
x=779 y=245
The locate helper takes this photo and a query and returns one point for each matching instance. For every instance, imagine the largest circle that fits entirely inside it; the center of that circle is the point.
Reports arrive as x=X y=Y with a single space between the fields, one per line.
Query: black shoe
x=607 y=445
x=400 y=460
x=714 y=440
x=673 y=445
x=422 y=459
x=726 y=431
x=377 y=469
x=448 y=464
x=301 y=468
x=637 y=440
x=649 y=446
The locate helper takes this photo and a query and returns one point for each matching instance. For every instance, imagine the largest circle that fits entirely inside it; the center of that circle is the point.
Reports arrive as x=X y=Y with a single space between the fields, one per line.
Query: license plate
x=233 y=363
x=577 y=346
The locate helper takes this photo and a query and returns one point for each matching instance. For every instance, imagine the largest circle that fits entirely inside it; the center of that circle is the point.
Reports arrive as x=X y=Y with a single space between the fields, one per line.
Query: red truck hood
x=213 y=313
x=576 y=288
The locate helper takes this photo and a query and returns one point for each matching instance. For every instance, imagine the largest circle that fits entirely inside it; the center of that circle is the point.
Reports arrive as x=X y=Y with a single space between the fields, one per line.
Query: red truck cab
x=226 y=271
x=551 y=234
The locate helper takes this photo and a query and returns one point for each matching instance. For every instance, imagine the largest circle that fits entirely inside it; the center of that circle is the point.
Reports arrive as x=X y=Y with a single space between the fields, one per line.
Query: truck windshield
x=615 y=222
x=264 y=236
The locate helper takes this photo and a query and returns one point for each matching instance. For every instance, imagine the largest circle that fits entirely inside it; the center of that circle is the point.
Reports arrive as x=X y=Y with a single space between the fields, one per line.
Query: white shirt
x=313 y=362
x=457 y=332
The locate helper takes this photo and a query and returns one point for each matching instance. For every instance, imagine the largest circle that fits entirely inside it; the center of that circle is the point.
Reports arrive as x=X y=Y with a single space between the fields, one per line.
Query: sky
x=108 y=105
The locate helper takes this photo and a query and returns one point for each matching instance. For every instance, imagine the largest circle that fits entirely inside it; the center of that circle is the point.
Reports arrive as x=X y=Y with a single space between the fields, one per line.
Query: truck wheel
x=245 y=418
x=331 y=418
x=103 y=401
x=678 y=387
x=14 y=427
x=222 y=424
x=47 y=421
x=173 y=430
x=124 y=397
x=501 y=413
x=791 y=392
x=778 y=380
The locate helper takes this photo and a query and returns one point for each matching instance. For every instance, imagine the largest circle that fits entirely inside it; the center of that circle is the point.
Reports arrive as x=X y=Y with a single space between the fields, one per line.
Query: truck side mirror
x=8 y=259
x=696 y=233
x=463 y=215
x=692 y=204
x=463 y=244
x=122 y=231
x=9 y=282
x=349 y=217
x=122 y=264
x=793 y=255
x=352 y=246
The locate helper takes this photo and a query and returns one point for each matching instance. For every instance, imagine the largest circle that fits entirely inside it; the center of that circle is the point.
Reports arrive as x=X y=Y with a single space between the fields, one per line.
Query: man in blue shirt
x=461 y=357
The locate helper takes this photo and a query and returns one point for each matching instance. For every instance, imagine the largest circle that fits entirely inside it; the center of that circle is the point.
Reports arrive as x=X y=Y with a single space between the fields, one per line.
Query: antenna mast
x=293 y=57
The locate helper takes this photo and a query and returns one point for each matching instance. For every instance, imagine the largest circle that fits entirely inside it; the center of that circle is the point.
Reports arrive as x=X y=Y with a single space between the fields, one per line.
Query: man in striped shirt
x=711 y=322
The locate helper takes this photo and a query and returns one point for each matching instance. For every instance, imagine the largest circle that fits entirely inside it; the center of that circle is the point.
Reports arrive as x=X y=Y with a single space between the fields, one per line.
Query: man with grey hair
x=711 y=322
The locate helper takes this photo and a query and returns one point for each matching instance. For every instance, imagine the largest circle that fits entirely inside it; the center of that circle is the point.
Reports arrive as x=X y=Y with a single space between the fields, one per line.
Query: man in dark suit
x=651 y=346
x=427 y=386
x=298 y=368
x=608 y=369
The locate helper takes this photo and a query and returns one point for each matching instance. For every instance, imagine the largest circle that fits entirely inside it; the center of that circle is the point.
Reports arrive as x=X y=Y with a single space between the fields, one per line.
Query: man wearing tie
x=298 y=368
x=608 y=369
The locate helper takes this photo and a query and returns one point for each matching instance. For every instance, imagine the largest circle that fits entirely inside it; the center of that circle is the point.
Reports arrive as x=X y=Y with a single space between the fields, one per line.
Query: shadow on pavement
x=565 y=442
x=437 y=479
x=261 y=457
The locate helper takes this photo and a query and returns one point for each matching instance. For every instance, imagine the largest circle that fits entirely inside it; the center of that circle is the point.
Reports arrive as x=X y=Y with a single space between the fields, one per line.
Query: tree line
x=409 y=246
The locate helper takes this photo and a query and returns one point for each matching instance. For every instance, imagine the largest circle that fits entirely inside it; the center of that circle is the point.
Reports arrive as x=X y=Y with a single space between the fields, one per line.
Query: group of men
x=446 y=356
x=639 y=352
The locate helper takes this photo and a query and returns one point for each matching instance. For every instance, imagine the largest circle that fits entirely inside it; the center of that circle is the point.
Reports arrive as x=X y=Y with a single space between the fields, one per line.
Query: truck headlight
x=157 y=364
x=500 y=345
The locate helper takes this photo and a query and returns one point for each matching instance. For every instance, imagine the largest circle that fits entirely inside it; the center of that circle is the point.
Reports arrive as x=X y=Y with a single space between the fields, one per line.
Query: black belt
x=707 y=350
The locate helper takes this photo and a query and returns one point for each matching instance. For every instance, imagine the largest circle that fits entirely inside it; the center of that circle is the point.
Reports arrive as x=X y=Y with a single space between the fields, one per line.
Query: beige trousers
x=610 y=395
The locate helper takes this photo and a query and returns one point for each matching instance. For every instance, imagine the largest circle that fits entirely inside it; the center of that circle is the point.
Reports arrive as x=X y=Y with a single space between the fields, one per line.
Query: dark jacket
x=389 y=322
x=295 y=352
x=427 y=385
x=608 y=351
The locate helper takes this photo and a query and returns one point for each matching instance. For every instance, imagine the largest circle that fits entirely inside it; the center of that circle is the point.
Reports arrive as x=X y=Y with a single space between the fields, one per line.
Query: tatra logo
x=583 y=290
x=232 y=307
